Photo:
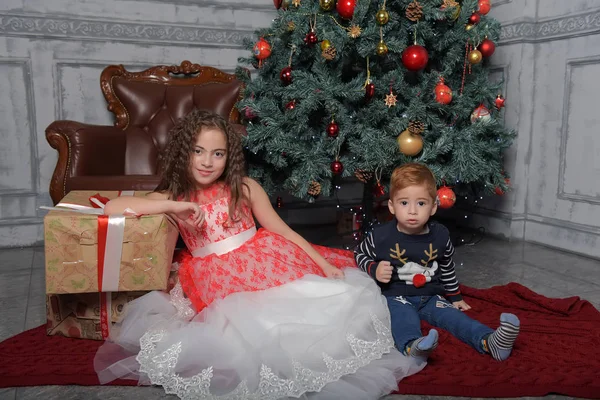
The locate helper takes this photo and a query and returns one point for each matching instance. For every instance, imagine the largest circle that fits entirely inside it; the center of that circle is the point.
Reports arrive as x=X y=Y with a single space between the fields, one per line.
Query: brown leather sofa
x=146 y=105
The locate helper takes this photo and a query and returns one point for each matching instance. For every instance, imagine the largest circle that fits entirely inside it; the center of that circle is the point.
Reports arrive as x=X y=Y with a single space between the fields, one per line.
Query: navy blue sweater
x=423 y=264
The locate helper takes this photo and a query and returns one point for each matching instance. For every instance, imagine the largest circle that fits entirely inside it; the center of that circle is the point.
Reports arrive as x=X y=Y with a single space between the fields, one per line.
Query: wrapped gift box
x=86 y=315
x=90 y=253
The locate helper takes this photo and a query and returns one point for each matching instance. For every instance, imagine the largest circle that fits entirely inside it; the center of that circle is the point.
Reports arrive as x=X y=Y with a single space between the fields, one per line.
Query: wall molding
x=556 y=28
x=25 y=65
x=78 y=28
x=561 y=194
x=235 y=5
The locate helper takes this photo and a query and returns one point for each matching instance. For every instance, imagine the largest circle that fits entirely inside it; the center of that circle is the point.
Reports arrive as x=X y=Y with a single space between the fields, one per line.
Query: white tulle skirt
x=314 y=338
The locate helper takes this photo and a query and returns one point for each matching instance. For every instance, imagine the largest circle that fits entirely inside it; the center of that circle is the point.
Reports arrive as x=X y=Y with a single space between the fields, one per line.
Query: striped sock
x=422 y=347
x=500 y=343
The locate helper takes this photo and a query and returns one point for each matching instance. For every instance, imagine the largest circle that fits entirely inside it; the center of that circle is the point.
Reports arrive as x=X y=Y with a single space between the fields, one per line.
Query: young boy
x=411 y=259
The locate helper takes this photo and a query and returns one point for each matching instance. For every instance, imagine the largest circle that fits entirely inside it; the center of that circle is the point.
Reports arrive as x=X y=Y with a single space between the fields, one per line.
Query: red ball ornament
x=499 y=102
x=277 y=3
x=443 y=93
x=291 y=105
x=378 y=189
x=498 y=190
x=415 y=57
x=337 y=167
x=345 y=8
x=487 y=48
x=333 y=129
x=484 y=7
x=419 y=280
x=286 y=75
x=446 y=197
x=369 y=91
x=474 y=19
x=311 y=38
x=262 y=49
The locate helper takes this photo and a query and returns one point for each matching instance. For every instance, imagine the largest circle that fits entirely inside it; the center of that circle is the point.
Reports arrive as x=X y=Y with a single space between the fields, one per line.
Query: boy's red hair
x=413 y=174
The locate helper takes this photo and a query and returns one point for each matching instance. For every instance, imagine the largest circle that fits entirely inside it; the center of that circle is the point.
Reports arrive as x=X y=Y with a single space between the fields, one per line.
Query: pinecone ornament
x=416 y=127
x=329 y=53
x=414 y=11
x=314 y=189
x=363 y=176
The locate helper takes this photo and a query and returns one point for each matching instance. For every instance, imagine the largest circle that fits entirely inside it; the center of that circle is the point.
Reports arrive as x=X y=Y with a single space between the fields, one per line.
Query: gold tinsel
x=416 y=127
x=363 y=176
x=314 y=189
x=329 y=53
x=414 y=11
x=354 y=31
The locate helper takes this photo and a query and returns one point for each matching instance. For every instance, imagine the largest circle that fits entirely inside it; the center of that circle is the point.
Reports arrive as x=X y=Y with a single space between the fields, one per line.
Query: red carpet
x=558 y=351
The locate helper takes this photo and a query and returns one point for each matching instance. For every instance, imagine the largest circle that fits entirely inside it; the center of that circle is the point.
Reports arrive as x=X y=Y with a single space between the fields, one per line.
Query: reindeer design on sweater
x=413 y=273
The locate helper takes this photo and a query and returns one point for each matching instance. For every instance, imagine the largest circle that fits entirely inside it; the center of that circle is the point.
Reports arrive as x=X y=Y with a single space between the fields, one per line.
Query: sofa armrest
x=84 y=150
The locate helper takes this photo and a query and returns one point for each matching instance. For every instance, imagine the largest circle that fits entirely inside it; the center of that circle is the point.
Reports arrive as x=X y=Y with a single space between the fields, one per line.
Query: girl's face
x=209 y=156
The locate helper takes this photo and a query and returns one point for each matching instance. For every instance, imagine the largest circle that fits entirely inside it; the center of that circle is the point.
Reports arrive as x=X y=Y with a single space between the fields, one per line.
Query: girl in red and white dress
x=255 y=314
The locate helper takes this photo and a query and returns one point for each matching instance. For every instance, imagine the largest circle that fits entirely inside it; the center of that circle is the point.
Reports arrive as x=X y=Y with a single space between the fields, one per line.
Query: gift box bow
x=111 y=229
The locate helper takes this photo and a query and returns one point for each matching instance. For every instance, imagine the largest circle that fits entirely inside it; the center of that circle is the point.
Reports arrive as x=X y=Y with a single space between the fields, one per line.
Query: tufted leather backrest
x=149 y=103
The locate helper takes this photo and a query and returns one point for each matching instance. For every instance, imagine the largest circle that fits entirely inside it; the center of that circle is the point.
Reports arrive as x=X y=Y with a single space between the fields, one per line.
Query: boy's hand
x=461 y=305
x=188 y=212
x=384 y=270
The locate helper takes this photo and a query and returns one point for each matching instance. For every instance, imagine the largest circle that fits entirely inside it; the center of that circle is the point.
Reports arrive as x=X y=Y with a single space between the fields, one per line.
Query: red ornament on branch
x=286 y=75
x=333 y=129
x=443 y=93
x=369 y=91
x=487 y=47
x=415 y=57
x=291 y=105
x=378 y=189
x=474 y=19
x=498 y=190
x=345 y=8
x=337 y=167
x=277 y=4
x=262 y=49
x=446 y=197
x=311 y=38
x=484 y=7
x=499 y=102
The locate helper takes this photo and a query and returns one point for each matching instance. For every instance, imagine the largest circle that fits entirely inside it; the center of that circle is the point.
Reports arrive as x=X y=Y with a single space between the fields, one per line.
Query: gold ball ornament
x=475 y=57
x=468 y=27
x=409 y=144
x=382 y=17
x=325 y=44
x=382 y=48
x=327 y=5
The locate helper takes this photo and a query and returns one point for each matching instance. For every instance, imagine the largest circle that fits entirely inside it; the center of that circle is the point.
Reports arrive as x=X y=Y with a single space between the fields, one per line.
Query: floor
x=487 y=263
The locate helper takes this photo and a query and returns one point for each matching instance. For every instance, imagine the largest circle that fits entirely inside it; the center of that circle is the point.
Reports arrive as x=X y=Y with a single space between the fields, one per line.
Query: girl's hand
x=333 y=272
x=188 y=212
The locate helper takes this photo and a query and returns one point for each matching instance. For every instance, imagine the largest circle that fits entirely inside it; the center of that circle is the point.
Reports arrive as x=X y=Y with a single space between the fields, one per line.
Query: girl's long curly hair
x=175 y=161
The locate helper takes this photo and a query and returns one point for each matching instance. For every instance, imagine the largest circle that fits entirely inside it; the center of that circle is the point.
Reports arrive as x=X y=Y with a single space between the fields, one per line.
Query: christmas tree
x=358 y=87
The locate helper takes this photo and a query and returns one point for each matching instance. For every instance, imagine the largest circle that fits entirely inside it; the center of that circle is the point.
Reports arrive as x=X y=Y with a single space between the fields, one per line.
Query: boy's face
x=412 y=207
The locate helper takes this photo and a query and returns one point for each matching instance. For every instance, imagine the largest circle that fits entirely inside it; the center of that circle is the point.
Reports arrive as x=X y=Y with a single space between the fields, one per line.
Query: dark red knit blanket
x=558 y=351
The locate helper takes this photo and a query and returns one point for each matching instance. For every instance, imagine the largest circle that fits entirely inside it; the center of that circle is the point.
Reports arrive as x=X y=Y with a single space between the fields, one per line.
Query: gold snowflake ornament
x=296 y=3
x=354 y=31
x=390 y=100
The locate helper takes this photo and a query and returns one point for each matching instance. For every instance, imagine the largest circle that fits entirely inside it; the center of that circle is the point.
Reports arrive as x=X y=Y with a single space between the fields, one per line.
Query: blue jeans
x=408 y=311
